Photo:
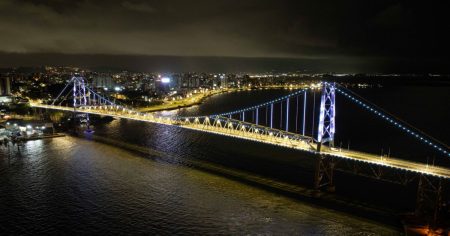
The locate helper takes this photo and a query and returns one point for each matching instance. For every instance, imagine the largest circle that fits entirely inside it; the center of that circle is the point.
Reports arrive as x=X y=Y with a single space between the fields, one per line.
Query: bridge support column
x=429 y=199
x=323 y=177
x=319 y=147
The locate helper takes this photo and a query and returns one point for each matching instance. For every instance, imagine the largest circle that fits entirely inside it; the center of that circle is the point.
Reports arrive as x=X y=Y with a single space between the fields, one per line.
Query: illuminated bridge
x=281 y=122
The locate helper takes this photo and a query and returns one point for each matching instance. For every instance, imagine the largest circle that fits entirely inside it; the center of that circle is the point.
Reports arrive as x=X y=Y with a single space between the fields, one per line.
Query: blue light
x=393 y=122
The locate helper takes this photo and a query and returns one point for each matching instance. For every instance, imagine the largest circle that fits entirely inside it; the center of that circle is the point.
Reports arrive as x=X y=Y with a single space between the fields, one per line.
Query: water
x=74 y=185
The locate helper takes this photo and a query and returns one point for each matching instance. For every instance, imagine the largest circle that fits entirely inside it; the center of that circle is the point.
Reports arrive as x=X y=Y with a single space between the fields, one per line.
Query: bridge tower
x=80 y=98
x=325 y=134
x=326 y=128
x=79 y=92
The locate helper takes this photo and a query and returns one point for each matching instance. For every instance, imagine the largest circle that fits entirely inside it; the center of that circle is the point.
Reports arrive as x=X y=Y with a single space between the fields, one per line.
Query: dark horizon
x=159 y=63
x=323 y=36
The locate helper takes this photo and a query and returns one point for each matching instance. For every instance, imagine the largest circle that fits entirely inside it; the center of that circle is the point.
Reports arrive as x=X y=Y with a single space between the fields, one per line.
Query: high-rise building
x=5 y=86
x=103 y=82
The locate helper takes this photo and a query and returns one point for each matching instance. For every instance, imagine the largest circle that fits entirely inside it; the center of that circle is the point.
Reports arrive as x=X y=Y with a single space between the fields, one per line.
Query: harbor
x=16 y=131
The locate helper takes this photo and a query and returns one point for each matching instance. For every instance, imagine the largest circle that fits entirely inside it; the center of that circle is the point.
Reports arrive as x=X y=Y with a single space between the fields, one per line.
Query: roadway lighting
x=29 y=127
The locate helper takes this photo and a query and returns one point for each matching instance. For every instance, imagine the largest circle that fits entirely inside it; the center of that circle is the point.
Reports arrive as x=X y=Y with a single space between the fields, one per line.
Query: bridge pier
x=323 y=177
x=429 y=199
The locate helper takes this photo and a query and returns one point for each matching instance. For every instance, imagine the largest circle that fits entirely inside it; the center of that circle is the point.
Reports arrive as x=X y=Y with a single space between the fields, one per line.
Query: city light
x=165 y=80
x=299 y=93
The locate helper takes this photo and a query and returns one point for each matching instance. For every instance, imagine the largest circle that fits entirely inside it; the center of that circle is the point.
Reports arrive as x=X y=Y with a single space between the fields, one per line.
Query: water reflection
x=75 y=186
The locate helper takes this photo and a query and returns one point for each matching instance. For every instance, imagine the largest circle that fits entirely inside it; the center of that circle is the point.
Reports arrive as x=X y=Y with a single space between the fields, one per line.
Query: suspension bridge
x=282 y=122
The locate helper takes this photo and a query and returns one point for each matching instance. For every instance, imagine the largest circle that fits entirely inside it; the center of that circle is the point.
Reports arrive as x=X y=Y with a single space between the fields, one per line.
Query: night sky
x=227 y=35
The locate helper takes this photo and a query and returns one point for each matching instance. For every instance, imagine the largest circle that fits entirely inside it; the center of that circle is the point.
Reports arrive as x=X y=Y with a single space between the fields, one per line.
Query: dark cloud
x=251 y=28
x=138 y=6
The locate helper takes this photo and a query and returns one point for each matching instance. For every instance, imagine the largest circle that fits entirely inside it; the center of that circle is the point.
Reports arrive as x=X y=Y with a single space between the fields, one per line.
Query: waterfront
x=92 y=187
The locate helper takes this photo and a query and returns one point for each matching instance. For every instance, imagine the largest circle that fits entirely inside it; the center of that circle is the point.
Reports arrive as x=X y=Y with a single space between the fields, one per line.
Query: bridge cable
x=314 y=111
x=62 y=91
x=304 y=113
x=59 y=104
x=296 y=116
x=271 y=115
x=281 y=115
x=267 y=117
x=287 y=114
x=357 y=100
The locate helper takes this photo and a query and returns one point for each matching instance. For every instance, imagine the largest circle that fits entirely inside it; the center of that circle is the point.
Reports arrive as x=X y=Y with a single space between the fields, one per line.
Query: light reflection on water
x=71 y=185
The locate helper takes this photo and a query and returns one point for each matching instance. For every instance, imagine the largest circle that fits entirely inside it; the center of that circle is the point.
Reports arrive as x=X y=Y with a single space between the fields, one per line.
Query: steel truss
x=429 y=198
x=323 y=177
x=377 y=172
x=326 y=128
x=233 y=127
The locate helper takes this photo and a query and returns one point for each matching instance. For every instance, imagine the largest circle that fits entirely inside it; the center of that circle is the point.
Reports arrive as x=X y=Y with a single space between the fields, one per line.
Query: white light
x=165 y=80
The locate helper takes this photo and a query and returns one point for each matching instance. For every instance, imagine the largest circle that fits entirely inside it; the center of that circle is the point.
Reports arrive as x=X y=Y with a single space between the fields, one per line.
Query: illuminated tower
x=327 y=115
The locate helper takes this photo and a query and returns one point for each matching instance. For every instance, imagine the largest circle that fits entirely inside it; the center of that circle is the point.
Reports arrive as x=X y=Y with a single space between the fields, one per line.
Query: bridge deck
x=273 y=140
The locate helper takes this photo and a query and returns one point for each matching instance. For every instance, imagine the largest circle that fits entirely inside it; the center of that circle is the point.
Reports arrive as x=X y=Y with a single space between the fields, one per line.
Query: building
x=5 y=86
x=6 y=100
x=105 y=82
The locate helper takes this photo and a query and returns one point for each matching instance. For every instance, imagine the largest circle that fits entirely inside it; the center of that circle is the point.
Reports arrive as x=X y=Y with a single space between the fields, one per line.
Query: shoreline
x=32 y=138
x=169 y=107
x=158 y=108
